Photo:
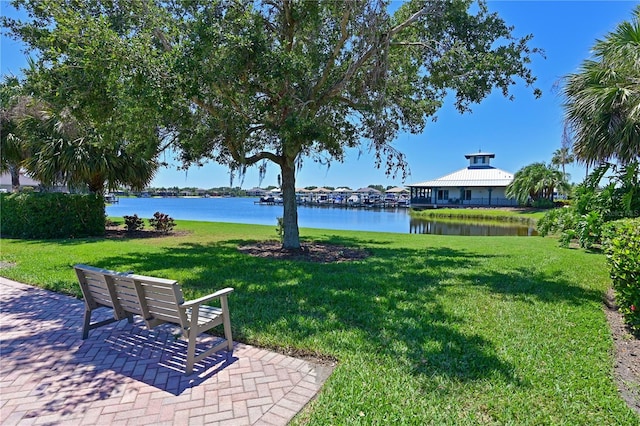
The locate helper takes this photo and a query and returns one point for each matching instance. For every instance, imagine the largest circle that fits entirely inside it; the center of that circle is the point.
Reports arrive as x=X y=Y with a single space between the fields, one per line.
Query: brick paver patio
x=125 y=374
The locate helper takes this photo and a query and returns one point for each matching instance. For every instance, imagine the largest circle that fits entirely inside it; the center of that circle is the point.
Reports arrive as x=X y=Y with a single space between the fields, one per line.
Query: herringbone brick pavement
x=124 y=374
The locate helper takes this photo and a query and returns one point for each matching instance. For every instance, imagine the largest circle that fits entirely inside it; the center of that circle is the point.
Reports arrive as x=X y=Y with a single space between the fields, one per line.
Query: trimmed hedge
x=622 y=247
x=51 y=215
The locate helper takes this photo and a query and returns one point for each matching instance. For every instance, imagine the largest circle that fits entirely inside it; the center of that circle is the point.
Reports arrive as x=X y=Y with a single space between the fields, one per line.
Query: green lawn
x=427 y=330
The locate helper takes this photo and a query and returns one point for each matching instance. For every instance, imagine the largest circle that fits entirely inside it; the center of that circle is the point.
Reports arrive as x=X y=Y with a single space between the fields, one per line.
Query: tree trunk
x=291 y=240
x=15 y=178
x=96 y=184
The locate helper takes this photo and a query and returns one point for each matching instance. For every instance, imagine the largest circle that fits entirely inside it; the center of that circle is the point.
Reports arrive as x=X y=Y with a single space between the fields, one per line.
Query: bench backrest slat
x=126 y=292
x=98 y=289
x=96 y=285
x=161 y=299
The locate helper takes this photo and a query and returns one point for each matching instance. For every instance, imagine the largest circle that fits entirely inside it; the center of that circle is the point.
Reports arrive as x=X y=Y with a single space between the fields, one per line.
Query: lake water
x=246 y=210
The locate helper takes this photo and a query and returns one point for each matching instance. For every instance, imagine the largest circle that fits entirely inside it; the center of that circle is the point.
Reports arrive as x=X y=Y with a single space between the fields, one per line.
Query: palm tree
x=603 y=99
x=13 y=105
x=534 y=182
x=564 y=155
x=561 y=157
x=64 y=149
x=55 y=147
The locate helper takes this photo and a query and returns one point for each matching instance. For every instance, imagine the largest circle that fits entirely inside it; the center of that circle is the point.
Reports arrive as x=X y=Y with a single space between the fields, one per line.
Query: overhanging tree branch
x=344 y=36
x=383 y=40
x=264 y=155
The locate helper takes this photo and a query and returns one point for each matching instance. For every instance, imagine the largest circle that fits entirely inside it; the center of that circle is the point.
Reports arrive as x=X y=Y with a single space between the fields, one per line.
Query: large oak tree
x=249 y=82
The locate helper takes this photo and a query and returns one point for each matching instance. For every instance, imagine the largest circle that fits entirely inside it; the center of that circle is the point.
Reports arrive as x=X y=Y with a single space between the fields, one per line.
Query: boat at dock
x=111 y=199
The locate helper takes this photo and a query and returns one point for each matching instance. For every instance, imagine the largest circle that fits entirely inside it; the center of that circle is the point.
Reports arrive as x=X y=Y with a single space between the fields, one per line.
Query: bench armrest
x=218 y=294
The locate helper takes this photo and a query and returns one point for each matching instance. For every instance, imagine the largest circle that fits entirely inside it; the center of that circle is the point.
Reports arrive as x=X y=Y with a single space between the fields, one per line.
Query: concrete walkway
x=124 y=374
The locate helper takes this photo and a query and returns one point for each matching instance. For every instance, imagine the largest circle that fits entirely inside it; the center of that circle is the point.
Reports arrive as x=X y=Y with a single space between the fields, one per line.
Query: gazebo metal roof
x=470 y=177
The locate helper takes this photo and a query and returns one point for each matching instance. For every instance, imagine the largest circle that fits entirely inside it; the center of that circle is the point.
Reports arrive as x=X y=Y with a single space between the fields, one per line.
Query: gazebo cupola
x=480 y=160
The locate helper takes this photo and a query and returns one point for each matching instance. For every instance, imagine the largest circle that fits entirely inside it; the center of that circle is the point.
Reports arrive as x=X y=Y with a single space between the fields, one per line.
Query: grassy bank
x=427 y=330
x=528 y=216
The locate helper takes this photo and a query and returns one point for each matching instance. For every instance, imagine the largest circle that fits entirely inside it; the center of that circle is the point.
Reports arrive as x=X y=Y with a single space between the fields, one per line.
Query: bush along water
x=594 y=206
x=51 y=215
x=622 y=246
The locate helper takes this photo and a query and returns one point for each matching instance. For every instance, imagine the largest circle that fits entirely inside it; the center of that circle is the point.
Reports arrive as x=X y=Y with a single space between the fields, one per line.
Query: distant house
x=256 y=192
x=343 y=192
x=479 y=184
x=397 y=190
x=368 y=191
x=25 y=182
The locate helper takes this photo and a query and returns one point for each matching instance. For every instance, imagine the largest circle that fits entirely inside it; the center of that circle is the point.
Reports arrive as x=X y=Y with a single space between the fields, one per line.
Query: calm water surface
x=245 y=210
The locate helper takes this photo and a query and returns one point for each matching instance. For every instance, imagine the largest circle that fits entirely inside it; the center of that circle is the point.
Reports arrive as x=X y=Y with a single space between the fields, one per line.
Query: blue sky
x=519 y=132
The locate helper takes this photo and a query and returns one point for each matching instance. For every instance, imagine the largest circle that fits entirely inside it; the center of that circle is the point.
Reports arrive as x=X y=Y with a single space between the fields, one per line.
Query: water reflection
x=442 y=227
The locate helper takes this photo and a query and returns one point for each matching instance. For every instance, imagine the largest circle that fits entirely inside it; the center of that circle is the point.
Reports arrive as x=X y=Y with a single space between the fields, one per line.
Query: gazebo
x=479 y=184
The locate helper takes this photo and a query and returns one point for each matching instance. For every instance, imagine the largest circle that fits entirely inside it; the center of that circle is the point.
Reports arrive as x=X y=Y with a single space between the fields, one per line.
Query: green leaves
x=13 y=103
x=623 y=253
x=603 y=98
x=593 y=206
x=313 y=78
x=535 y=181
x=62 y=148
x=51 y=215
x=95 y=89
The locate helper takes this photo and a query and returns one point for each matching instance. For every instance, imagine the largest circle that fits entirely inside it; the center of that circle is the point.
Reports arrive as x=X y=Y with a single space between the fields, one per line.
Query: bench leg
x=191 y=351
x=227 y=331
x=226 y=322
x=86 y=324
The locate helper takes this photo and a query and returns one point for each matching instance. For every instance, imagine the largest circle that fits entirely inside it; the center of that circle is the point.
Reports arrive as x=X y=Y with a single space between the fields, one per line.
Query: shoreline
x=500 y=214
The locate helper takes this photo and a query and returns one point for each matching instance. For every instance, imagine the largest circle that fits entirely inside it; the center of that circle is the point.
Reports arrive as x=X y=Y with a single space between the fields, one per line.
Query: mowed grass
x=427 y=330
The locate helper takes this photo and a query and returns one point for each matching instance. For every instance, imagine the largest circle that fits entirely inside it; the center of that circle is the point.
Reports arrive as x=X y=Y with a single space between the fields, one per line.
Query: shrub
x=589 y=230
x=563 y=203
x=570 y=225
x=561 y=221
x=622 y=246
x=133 y=223
x=51 y=215
x=162 y=222
x=594 y=206
x=543 y=203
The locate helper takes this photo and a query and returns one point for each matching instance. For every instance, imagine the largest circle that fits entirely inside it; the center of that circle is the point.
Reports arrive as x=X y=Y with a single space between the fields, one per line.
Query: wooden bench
x=158 y=301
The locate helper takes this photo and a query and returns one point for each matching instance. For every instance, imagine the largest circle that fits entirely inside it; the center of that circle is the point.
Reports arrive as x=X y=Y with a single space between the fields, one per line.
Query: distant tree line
x=222 y=191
